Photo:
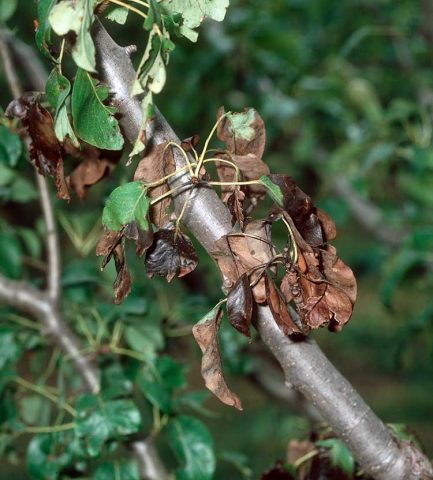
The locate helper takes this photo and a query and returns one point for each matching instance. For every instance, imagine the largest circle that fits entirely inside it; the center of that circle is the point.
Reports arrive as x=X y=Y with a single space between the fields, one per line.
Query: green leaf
x=10 y=350
x=22 y=190
x=194 y=12
x=118 y=15
x=118 y=470
x=76 y=16
x=58 y=89
x=273 y=190
x=43 y=32
x=7 y=175
x=193 y=446
x=158 y=385
x=46 y=457
x=94 y=122
x=7 y=9
x=31 y=241
x=151 y=74
x=126 y=204
x=339 y=454
x=10 y=255
x=97 y=421
x=145 y=339
x=155 y=390
x=11 y=147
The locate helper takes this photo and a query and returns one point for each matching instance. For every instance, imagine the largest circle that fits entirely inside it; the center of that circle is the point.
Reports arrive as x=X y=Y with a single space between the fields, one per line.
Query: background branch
x=304 y=365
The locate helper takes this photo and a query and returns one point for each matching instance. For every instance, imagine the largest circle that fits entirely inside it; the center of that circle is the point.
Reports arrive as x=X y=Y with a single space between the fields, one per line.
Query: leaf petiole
x=129 y=7
x=206 y=144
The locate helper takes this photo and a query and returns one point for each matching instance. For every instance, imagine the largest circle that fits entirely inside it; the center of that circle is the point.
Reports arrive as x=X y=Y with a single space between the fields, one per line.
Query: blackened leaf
x=244 y=133
x=172 y=254
x=94 y=122
x=301 y=208
x=206 y=335
x=235 y=205
x=240 y=305
x=45 y=150
x=157 y=163
x=127 y=203
x=279 y=310
x=279 y=472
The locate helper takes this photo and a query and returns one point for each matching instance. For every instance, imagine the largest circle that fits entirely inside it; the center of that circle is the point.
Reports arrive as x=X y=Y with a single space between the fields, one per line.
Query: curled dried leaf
x=233 y=254
x=206 y=335
x=95 y=165
x=240 y=305
x=279 y=310
x=235 y=204
x=110 y=246
x=172 y=254
x=45 y=150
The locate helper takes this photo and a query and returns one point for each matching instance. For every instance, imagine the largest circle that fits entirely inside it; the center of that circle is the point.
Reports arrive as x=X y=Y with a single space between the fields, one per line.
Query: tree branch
x=305 y=366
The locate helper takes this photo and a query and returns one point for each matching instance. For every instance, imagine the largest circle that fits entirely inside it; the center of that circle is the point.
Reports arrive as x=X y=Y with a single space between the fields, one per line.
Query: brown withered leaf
x=110 y=246
x=170 y=254
x=235 y=205
x=250 y=252
x=157 y=163
x=338 y=273
x=279 y=310
x=251 y=166
x=94 y=166
x=240 y=305
x=329 y=230
x=321 y=285
x=190 y=143
x=206 y=335
x=122 y=283
x=143 y=238
x=252 y=143
x=45 y=150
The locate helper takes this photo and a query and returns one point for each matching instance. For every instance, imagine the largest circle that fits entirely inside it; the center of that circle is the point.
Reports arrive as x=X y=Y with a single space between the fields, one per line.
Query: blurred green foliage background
x=346 y=92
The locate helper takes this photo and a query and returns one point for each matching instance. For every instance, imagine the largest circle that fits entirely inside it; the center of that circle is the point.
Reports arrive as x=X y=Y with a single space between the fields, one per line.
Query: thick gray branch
x=304 y=364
